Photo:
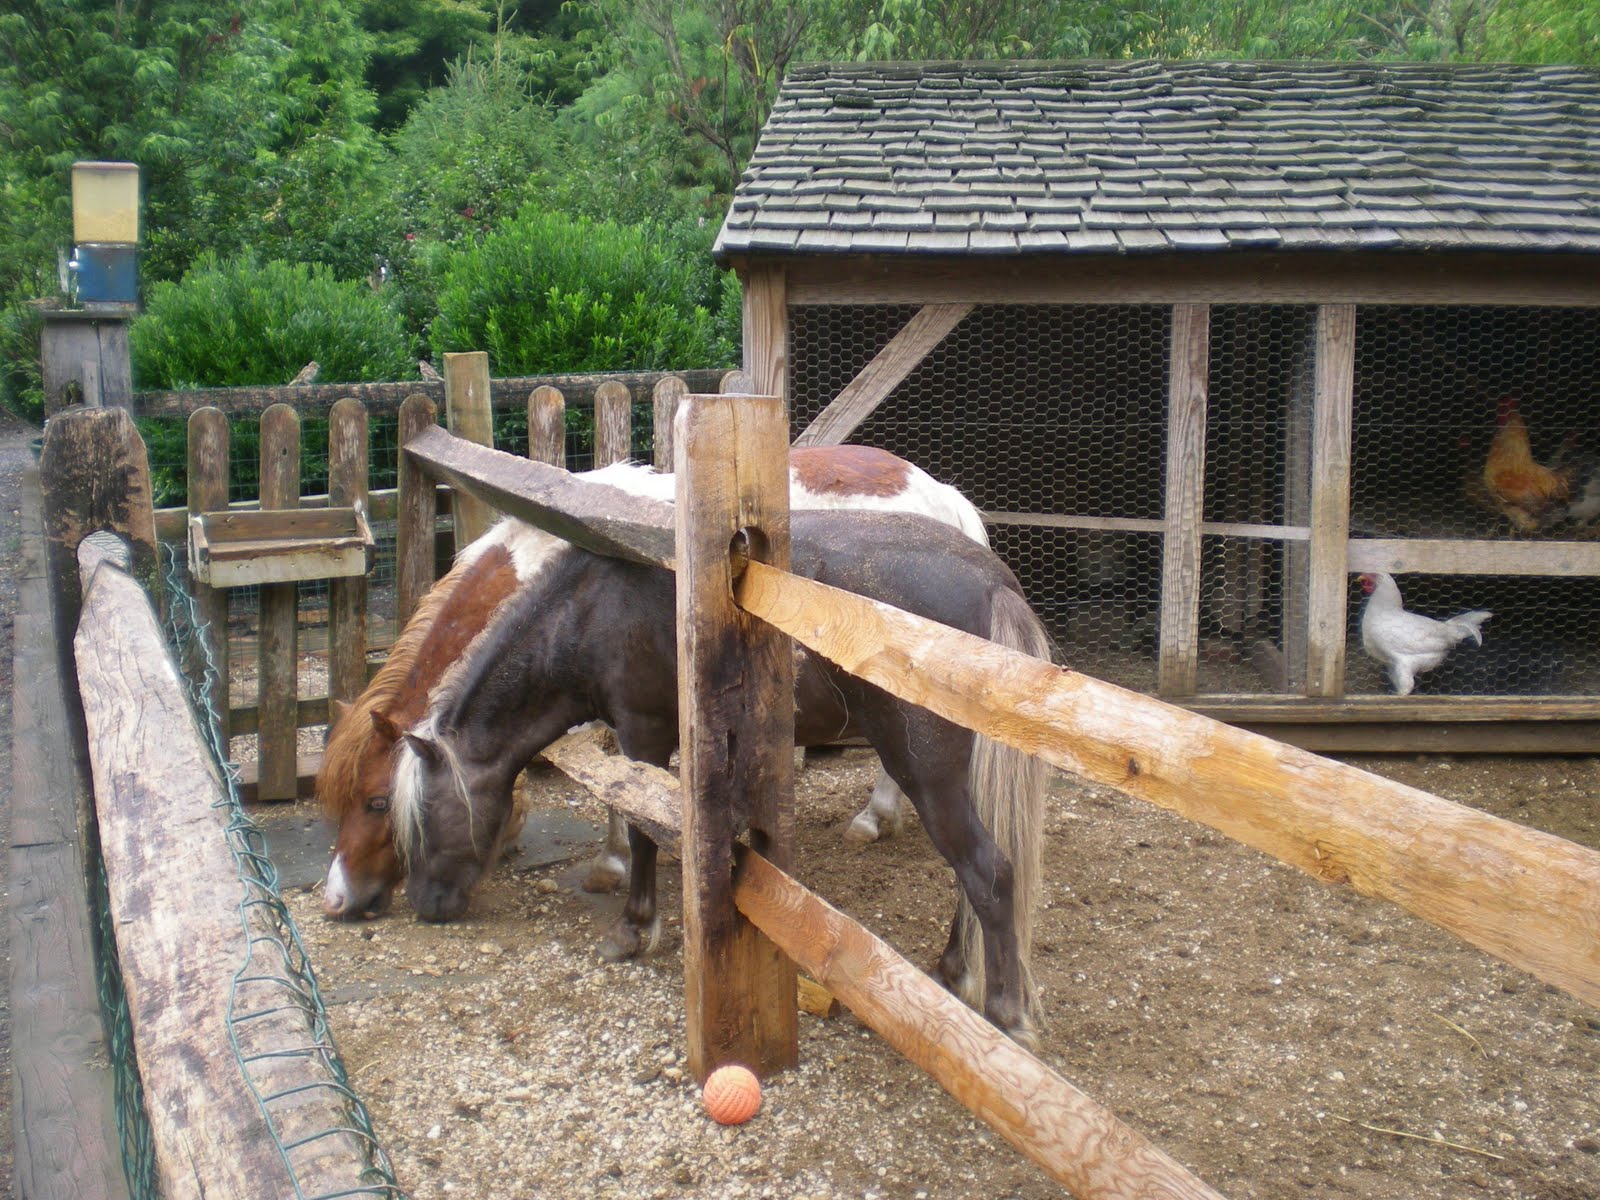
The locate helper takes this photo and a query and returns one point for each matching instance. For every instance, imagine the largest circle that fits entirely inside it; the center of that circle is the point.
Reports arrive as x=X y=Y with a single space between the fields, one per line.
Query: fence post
x=547 y=426
x=347 y=597
x=665 y=398
x=279 y=646
x=208 y=492
x=416 y=513
x=736 y=720
x=613 y=423
x=468 y=415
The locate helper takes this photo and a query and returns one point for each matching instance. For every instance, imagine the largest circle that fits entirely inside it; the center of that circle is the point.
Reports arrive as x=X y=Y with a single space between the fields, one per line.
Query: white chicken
x=1408 y=643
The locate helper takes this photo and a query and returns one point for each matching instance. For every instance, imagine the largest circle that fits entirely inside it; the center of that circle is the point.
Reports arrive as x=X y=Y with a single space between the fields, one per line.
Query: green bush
x=239 y=323
x=548 y=293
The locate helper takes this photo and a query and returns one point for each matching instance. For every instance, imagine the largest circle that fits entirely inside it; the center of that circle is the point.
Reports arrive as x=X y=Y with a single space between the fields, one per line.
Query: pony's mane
x=405 y=804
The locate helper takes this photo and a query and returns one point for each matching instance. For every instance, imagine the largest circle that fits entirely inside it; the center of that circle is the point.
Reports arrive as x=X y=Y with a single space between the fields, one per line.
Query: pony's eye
x=377 y=804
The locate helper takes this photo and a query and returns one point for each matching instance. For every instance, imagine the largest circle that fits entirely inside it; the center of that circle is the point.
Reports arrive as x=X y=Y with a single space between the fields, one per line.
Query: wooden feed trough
x=238 y=549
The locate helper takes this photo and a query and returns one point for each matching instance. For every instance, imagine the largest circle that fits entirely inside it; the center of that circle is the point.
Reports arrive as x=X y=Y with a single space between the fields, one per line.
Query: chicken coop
x=1209 y=341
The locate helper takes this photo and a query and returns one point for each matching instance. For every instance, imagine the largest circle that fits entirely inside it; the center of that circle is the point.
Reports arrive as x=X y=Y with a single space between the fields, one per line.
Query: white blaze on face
x=336 y=891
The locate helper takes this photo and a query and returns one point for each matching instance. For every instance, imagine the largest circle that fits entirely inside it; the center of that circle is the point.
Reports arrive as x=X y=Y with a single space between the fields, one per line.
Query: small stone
x=546 y=887
x=434 y=1132
x=493 y=949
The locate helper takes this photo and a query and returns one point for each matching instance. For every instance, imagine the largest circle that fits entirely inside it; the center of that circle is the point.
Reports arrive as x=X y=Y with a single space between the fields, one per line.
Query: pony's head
x=447 y=818
x=365 y=868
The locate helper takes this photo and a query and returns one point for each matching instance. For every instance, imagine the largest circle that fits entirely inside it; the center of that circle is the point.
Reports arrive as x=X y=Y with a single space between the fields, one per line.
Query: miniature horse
x=595 y=638
x=354 y=782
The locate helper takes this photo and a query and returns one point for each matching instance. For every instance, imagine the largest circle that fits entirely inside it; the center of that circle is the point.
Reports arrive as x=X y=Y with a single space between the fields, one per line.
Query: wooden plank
x=664 y=401
x=314 y=400
x=766 y=332
x=1239 y=529
x=1437 y=737
x=306 y=767
x=547 y=426
x=347 y=595
x=591 y=515
x=84 y=358
x=62 y=1090
x=414 y=519
x=177 y=903
x=207 y=453
x=1389 y=709
x=278 y=652
x=862 y=395
x=1328 y=583
x=1233 y=278
x=1078 y=1142
x=307 y=712
x=1299 y=434
x=613 y=424
x=648 y=795
x=1527 y=897
x=736 y=727
x=1189 y=359
x=468 y=415
x=1456 y=556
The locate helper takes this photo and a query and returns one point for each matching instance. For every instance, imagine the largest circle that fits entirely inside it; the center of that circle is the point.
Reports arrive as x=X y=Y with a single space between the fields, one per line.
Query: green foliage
x=549 y=293
x=237 y=322
x=21 y=378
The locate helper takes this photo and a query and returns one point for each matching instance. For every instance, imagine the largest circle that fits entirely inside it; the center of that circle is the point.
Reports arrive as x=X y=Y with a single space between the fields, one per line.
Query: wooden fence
x=469 y=399
x=1523 y=895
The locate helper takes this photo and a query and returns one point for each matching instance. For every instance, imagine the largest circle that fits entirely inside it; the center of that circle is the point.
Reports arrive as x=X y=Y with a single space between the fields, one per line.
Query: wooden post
x=279 y=646
x=1330 y=499
x=736 y=720
x=613 y=424
x=468 y=415
x=766 y=331
x=665 y=398
x=416 y=513
x=95 y=475
x=84 y=358
x=547 y=426
x=208 y=492
x=347 y=596
x=1189 y=364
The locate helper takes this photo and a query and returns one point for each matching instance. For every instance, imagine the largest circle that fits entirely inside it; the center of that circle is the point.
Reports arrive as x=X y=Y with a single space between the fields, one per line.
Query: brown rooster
x=1529 y=495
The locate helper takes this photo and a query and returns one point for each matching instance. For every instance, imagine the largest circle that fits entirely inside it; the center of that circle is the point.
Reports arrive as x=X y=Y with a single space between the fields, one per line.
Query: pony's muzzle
x=435 y=900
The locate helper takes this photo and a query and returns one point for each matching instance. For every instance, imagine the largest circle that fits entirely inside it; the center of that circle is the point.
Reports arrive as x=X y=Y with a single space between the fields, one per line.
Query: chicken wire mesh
x=1053 y=419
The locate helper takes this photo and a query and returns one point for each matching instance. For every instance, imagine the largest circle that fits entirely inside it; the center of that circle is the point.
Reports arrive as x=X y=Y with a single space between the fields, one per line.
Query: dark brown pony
x=594 y=638
x=353 y=784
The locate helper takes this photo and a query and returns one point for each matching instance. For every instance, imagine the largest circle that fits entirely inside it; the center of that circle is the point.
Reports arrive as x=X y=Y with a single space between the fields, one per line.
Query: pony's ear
x=385 y=727
x=425 y=748
x=341 y=710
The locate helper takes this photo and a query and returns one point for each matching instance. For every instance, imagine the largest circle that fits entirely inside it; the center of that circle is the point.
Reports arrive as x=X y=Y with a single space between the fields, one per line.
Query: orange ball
x=732 y=1094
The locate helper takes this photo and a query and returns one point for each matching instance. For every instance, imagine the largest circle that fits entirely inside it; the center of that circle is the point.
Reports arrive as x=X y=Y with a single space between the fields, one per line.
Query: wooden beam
x=63 y=1105
x=1234 y=278
x=1077 y=1141
x=1328 y=580
x=177 y=901
x=1459 y=556
x=1187 y=391
x=903 y=355
x=766 y=332
x=347 y=595
x=278 y=651
x=650 y=796
x=1527 y=897
x=735 y=727
x=468 y=416
x=207 y=451
x=591 y=515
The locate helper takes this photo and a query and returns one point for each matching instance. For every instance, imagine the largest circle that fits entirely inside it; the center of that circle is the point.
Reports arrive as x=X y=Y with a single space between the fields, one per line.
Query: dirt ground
x=1279 y=1037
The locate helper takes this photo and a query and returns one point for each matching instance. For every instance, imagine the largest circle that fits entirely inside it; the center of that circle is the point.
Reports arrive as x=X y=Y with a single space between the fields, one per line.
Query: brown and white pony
x=595 y=638
x=354 y=782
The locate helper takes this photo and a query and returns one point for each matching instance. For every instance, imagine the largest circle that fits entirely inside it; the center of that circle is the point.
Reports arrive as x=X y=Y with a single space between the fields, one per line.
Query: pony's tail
x=1008 y=788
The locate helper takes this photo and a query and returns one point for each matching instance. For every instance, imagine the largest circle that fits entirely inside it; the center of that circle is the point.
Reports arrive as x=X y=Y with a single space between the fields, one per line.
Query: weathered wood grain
x=1187 y=391
x=347 y=594
x=613 y=424
x=415 y=516
x=547 y=426
x=766 y=331
x=469 y=416
x=207 y=450
x=1330 y=499
x=735 y=727
x=664 y=401
x=278 y=652
x=1527 y=897
x=177 y=900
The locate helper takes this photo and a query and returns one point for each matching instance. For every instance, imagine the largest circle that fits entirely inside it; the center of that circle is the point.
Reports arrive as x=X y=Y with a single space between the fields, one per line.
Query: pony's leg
x=637 y=930
x=609 y=866
x=883 y=817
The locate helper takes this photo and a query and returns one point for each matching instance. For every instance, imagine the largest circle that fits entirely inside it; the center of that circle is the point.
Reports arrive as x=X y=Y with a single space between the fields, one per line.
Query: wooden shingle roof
x=1123 y=157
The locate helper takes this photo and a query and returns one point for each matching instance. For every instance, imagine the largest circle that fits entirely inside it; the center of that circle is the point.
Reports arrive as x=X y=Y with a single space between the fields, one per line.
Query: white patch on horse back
x=532 y=549
x=336 y=891
x=637 y=479
x=923 y=496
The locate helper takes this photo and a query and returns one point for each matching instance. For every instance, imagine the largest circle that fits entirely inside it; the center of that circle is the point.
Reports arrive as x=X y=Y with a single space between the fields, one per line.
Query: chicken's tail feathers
x=1470 y=624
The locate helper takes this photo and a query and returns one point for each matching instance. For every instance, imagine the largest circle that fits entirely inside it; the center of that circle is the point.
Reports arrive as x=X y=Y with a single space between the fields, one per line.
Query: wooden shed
x=1208 y=340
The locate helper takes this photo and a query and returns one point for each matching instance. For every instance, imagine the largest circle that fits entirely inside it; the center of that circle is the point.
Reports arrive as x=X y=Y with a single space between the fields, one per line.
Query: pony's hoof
x=1024 y=1034
x=605 y=873
x=863 y=829
x=625 y=940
